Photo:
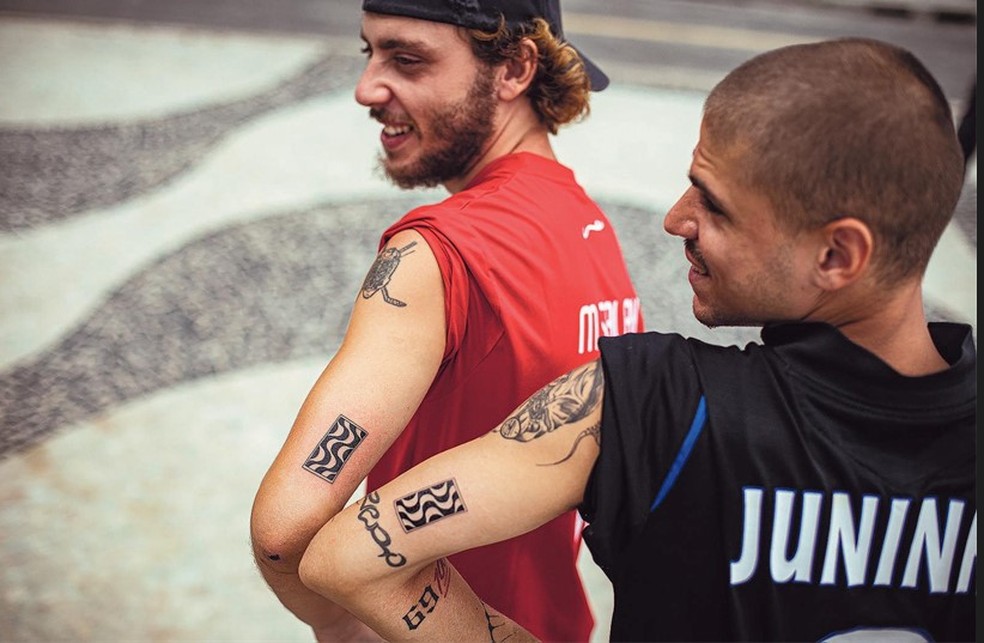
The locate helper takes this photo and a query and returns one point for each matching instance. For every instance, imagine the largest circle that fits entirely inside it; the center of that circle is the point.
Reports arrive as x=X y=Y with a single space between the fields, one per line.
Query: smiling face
x=434 y=98
x=745 y=269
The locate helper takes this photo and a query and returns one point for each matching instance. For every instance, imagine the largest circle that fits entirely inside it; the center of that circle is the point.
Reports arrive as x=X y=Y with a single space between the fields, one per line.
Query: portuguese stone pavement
x=185 y=218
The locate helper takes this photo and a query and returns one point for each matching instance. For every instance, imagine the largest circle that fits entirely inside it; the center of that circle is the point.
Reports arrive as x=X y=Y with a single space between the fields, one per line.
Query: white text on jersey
x=866 y=557
x=602 y=320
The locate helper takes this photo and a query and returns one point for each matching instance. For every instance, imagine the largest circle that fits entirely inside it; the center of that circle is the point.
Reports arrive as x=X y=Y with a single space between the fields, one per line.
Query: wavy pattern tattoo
x=423 y=507
x=334 y=450
x=566 y=400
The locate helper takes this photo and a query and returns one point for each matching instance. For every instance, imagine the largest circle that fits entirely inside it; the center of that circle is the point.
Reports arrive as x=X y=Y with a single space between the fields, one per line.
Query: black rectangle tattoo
x=334 y=450
x=428 y=505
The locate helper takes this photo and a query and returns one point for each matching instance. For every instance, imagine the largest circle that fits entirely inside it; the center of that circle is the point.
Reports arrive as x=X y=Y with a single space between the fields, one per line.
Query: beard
x=460 y=131
x=754 y=300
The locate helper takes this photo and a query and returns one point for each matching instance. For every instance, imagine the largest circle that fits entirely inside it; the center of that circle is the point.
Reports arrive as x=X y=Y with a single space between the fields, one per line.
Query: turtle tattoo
x=387 y=261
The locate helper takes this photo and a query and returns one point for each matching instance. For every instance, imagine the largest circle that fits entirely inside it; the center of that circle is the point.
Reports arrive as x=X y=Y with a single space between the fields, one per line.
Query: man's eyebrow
x=388 y=44
x=706 y=191
x=697 y=183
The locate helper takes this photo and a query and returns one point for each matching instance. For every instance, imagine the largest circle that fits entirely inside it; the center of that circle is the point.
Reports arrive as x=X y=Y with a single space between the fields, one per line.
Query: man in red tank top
x=471 y=306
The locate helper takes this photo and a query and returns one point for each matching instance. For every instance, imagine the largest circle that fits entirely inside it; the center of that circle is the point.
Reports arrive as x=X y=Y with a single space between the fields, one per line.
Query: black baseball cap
x=486 y=15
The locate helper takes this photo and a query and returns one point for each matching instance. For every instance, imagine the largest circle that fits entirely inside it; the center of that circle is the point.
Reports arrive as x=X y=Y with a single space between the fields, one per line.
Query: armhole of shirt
x=455 y=281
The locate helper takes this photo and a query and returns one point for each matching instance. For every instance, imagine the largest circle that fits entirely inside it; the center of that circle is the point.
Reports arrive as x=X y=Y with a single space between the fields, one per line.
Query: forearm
x=381 y=558
x=431 y=603
x=280 y=535
x=328 y=620
x=369 y=560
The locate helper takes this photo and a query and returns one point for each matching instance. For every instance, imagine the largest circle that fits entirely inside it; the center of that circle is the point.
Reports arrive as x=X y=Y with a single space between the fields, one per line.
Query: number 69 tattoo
x=425 y=605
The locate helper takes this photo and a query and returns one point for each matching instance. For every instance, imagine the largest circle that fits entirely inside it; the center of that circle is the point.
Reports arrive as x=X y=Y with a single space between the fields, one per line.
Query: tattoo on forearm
x=425 y=506
x=428 y=600
x=593 y=431
x=334 y=450
x=369 y=516
x=566 y=400
x=494 y=622
x=425 y=605
x=381 y=272
x=442 y=576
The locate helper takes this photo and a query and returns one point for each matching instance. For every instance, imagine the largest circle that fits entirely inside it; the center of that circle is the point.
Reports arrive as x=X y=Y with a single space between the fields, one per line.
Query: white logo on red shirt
x=597 y=226
x=601 y=319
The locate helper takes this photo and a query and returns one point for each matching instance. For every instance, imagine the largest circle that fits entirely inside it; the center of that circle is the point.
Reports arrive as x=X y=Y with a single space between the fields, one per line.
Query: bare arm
x=362 y=401
x=530 y=469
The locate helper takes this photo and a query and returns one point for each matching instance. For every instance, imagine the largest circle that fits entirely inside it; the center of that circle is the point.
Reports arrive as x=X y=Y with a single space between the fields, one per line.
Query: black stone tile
x=49 y=174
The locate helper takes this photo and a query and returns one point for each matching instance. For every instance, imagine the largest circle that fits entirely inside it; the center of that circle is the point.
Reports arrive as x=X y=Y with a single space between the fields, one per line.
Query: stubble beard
x=759 y=303
x=463 y=127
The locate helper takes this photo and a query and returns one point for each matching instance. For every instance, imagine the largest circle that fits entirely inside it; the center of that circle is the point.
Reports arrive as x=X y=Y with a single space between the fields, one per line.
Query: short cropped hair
x=560 y=89
x=846 y=128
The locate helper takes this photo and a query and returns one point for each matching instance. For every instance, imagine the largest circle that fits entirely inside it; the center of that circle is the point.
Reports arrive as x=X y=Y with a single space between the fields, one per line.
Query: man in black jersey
x=816 y=486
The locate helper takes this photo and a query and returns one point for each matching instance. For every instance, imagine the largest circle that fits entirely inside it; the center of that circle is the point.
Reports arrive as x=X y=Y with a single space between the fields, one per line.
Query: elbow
x=275 y=550
x=278 y=536
x=328 y=567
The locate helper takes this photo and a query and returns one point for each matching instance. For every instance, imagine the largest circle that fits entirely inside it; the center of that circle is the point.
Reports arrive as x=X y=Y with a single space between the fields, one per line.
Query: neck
x=519 y=130
x=897 y=332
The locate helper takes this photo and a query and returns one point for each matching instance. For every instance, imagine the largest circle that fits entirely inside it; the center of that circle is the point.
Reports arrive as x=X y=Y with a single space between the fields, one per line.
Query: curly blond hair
x=560 y=89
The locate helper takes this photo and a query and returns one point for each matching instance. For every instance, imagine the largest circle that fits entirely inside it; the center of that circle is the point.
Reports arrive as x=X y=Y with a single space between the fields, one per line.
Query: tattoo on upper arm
x=566 y=400
x=594 y=431
x=369 y=517
x=425 y=506
x=381 y=272
x=334 y=449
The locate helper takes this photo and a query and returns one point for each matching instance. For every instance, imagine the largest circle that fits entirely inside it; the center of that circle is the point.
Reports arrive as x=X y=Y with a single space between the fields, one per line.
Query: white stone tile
x=72 y=73
x=135 y=525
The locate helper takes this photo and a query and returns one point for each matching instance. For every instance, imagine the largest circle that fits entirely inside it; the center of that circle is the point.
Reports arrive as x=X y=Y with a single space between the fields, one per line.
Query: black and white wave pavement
x=185 y=220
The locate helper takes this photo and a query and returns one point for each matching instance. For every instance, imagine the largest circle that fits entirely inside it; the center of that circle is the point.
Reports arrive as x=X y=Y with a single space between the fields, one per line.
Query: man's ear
x=845 y=253
x=516 y=74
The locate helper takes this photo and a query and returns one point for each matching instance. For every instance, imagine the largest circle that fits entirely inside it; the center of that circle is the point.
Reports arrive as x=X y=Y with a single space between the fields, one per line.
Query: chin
x=710 y=322
x=716 y=318
x=406 y=177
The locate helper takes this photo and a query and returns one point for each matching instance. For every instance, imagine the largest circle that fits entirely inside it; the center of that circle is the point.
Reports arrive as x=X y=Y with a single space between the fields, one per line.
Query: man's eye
x=365 y=50
x=709 y=205
x=405 y=61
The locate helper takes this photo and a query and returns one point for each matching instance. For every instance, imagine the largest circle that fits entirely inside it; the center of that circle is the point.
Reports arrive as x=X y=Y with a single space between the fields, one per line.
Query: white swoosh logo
x=597 y=226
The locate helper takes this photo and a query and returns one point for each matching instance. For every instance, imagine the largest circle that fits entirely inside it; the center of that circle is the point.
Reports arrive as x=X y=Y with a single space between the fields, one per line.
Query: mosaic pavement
x=185 y=217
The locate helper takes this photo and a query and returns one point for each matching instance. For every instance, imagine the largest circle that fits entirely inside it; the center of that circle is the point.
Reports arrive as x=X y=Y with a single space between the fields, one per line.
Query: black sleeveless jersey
x=795 y=490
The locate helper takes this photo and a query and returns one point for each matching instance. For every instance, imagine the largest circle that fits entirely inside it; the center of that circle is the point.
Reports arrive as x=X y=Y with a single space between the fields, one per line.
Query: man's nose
x=678 y=221
x=371 y=91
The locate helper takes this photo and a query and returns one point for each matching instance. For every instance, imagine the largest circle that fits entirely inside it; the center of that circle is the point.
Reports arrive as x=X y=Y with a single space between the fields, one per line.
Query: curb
x=958 y=11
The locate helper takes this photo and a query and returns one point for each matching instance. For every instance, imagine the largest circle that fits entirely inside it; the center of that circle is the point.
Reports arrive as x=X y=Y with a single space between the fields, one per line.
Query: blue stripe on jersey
x=700 y=419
